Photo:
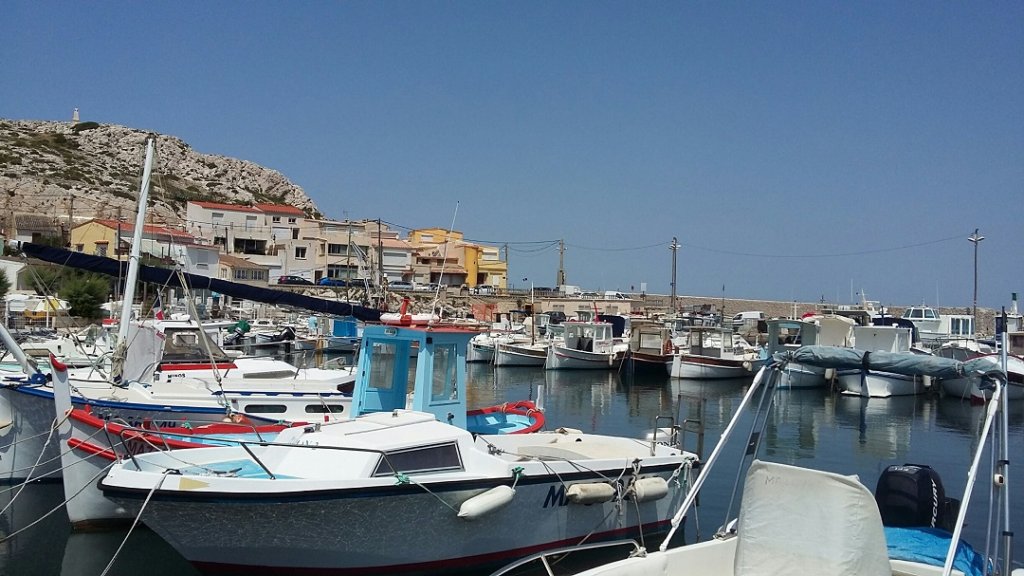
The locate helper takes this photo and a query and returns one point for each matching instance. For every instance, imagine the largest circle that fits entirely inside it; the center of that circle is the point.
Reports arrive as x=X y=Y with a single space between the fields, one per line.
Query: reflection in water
x=884 y=425
x=37 y=550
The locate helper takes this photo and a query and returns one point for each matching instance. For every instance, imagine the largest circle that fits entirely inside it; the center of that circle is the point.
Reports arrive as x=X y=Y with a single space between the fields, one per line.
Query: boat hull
x=510 y=355
x=693 y=366
x=314 y=533
x=480 y=352
x=562 y=358
x=799 y=376
x=876 y=384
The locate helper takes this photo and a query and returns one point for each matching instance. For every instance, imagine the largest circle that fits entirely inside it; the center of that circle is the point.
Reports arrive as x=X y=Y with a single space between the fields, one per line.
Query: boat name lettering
x=556 y=496
x=175 y=375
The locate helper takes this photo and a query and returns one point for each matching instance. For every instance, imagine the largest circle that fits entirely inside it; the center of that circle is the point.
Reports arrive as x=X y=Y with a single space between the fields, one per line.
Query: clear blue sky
x=796 y=150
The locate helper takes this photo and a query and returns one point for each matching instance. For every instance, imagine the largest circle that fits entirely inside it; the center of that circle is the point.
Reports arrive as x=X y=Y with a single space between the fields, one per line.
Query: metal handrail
x=247 y=444
x=543 y=556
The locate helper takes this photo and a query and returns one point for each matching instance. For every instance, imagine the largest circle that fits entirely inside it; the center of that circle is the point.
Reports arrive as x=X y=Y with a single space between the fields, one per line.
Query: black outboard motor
x=911 y=495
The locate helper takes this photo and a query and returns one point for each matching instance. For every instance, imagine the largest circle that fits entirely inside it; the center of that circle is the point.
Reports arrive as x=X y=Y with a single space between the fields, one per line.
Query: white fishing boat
x=521 y=353
x=812 y=329
x=415 y=477
x=715 y=353
x=968 y=387
x=650 y=348
x=797 y=520
x=586 y=346
x=875 y=383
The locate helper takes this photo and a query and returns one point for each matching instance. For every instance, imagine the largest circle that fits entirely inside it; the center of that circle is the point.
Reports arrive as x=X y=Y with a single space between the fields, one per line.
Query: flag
x=158 y=311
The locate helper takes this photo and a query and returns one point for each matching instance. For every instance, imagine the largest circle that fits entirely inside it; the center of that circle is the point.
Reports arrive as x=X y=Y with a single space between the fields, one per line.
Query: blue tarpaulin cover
x=929 y=546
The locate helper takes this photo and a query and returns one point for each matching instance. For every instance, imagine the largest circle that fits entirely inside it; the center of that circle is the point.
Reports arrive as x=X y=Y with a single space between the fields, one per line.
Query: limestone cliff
x=92 y=170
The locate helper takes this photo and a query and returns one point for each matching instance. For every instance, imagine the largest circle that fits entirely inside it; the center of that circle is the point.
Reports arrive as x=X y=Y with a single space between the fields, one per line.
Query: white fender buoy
x=590 y=493
x=830 y=374
x=648 y=489
x=486 y=502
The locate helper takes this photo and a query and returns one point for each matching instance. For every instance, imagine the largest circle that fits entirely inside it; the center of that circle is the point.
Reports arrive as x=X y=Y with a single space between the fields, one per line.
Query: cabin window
x=436 y=458
x=444 y=386
x=325 y=408
x=266 y=409
x=929 y=313
x=382 y=377
x=915 y=313
x=650 y=340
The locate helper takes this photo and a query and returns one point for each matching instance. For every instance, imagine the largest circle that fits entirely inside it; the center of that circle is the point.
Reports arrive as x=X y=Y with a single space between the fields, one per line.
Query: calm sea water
x=808 y=428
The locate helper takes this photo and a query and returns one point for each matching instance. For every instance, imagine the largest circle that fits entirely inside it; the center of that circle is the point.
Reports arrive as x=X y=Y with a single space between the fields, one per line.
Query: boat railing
x=246 y=445
x=549 y=558
x=132 y=437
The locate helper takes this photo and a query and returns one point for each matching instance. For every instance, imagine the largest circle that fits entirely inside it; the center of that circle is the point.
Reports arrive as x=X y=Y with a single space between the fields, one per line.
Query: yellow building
x=473 y=264
x=99 y=238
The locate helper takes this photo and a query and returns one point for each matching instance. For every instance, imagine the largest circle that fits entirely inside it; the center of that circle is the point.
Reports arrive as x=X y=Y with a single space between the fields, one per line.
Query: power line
x=832 y=255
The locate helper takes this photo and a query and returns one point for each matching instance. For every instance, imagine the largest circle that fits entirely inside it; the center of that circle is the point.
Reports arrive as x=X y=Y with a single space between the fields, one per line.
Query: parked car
x=484 y=289
x=327 y=281
x=400 y=285
x=294 y=280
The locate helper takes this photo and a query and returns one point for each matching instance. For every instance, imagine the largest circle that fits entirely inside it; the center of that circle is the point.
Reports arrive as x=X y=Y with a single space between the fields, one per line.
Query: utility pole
x=380 y=256
x=348 y=253
x=71 y=220
x=561 y=263
x=674 y=247
x=506 y=264
x=975 y=239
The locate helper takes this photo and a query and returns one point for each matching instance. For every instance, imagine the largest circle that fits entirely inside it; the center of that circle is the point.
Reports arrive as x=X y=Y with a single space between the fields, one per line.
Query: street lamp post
x=975 y=239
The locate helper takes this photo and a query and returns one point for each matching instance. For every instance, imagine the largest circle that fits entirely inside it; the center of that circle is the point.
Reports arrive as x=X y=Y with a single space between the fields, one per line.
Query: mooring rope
x=53 y=426
x=135 y=522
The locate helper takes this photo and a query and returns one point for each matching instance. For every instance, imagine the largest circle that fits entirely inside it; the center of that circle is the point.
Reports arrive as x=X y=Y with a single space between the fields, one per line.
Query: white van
x=749 y=318
x=614 y=295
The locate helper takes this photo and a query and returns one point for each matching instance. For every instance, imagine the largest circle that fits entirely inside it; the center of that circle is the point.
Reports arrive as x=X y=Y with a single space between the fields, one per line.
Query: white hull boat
x=400 y=491
x=586 y=346
x=797 y=376
x=713 y=353
x=967 y=387
x=507 y=354
x=876 y=384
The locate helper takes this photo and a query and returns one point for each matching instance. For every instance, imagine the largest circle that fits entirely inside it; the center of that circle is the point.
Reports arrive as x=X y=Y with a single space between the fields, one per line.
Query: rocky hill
x=92 y=170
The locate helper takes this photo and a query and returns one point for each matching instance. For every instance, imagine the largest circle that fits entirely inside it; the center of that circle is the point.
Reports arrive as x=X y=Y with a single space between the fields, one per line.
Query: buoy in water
x=590 y=493
x=648 y=489
x=486 y=502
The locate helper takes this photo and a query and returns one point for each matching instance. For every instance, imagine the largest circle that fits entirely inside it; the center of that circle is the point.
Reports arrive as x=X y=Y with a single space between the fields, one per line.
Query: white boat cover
x=800 y=521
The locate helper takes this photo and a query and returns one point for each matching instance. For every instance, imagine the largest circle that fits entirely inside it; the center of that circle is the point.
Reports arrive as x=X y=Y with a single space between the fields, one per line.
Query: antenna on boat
x=444 y=260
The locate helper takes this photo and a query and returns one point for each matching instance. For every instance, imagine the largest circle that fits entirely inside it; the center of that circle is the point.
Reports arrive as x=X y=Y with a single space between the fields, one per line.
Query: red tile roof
x=280 y=209
x=220 y=206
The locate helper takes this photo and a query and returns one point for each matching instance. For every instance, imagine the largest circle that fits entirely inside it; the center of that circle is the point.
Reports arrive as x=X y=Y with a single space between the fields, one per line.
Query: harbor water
x=808 y=428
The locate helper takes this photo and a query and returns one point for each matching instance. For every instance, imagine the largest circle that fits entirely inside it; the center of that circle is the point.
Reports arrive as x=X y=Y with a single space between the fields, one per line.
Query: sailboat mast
x=134 y=259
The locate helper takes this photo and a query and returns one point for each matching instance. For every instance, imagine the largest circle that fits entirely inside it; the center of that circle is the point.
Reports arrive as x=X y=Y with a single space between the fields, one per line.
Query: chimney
x=1013 y=304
